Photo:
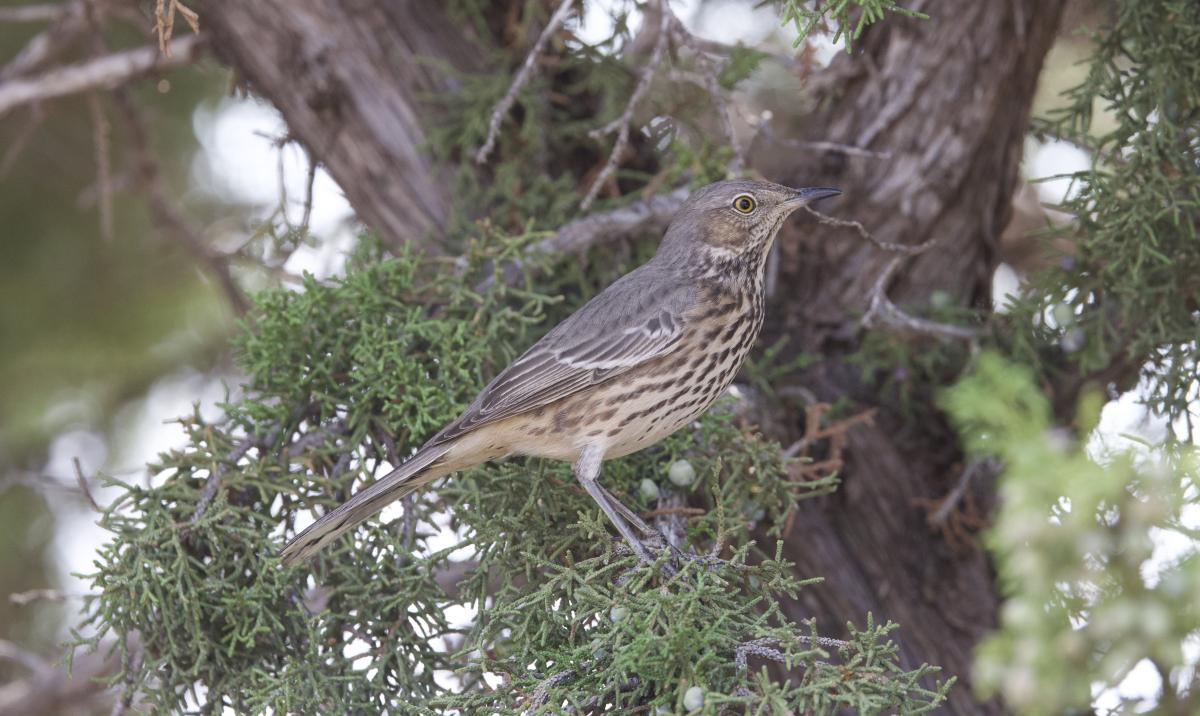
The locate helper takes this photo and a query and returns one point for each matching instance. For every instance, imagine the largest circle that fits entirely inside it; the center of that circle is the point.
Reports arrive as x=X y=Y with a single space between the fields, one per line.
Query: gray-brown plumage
x=633 y=365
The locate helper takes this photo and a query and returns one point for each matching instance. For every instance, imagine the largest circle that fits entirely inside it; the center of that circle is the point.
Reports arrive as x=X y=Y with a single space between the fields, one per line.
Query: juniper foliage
x=1084 y=532
x=342 y=380
x=1129 y=290
x=500 y=590
x=1090 y=594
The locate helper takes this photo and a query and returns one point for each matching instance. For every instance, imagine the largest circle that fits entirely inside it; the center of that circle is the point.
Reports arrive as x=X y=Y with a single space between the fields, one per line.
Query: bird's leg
x=640 y=524
x=632 y=517
x=587 y=470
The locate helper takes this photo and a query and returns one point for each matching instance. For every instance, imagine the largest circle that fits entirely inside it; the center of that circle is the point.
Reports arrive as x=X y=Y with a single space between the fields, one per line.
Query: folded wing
x=634 y=321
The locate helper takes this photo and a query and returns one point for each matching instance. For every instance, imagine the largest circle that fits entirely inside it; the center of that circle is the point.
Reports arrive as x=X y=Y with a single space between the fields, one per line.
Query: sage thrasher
x=635 y=364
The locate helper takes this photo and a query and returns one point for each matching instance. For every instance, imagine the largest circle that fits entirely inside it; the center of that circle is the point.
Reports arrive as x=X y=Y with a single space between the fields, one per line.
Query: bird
x=637 y=362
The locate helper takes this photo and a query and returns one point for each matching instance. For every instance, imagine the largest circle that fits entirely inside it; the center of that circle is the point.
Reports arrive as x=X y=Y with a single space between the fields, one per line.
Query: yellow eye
x=744 y=204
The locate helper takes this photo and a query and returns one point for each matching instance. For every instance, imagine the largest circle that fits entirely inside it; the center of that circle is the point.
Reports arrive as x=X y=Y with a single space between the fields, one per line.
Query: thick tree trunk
x=947 y=100
x=348 y=78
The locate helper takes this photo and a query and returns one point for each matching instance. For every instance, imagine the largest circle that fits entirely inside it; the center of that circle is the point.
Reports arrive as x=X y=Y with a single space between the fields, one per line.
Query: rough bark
x=947 y=101
x=348 y=79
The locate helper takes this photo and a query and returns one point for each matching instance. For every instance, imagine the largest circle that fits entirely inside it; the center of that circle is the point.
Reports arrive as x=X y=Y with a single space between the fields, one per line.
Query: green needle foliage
x=848 y=17
x=1075 y=548
x=344 y=379
x=1132 y=287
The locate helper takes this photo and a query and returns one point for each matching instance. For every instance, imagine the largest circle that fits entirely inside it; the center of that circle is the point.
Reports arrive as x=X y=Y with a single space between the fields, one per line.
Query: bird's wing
x=640 y=317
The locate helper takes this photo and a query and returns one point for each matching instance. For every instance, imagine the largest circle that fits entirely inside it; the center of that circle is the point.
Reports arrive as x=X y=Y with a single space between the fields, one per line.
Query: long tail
x=418 y=470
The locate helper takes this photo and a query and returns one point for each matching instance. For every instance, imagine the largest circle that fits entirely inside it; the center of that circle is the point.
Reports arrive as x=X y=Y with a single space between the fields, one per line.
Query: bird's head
x=735 y=218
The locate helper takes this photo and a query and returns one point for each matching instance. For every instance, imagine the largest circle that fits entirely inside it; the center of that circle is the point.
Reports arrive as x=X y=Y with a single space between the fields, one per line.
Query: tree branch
x=622 y=124
x=505 y=104
x=598 y=229
x=45 y=12
x=710 y=70
x=880 y=309
x=163 y=209
x=67 y=25
x=106 y=72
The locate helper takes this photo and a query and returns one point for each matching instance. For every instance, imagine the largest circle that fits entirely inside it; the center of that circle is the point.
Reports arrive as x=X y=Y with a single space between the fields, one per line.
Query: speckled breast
x=645 y=405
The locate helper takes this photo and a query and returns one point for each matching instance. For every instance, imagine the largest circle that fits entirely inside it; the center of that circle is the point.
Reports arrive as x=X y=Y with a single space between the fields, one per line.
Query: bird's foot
x=652 y=550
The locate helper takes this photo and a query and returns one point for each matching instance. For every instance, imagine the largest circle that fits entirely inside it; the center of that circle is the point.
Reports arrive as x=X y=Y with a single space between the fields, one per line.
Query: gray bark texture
x=348 y=79
x=947 y=100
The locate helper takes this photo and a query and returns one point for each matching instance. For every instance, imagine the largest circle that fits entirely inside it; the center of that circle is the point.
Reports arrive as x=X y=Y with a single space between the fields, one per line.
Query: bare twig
x=679 y=510
x=45 y=12
x=814 y=431
x=622 y=124
x=906 y=249
x=881 y=311
x=766 y=648
x=582 y=234
x=163 y=210
x=949 y=503
x=510 y=97
x=597 y=230
x=66 y=26
x=164 y=21
x=766 y=131
x=106 y=72
x=23 y=657
x=710 y=71
x=313 y=438
x=21 y=140
x=101 y=132
x=83 y=485
x=37 y=595
x=54 y=690
x=308 y=192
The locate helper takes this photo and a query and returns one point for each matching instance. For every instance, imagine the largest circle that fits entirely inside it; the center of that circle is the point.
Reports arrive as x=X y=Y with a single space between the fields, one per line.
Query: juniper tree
x=876 y=315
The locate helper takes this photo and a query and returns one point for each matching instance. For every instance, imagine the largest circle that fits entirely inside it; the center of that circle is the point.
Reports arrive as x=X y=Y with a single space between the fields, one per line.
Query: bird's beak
x=807 y=195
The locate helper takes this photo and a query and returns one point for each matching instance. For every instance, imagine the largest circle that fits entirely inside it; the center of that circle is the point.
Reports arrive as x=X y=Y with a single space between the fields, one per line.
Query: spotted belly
x=639 y=408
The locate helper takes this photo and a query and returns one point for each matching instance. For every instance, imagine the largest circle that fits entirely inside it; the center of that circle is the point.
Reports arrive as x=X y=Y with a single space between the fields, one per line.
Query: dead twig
x=213 y=484
x=37 y=595
x=164 y=21
x=906 y=249
x=108 y=72
x=835 y=431
x=31 y=596
x=83 y=486
x=881 y=311
x=45 y=12
x=21 y=141
x=598 y=229
x=163 y=210
x=710 y=72
x=621 y=125
x=308 y=193
x=767 y=132
x=542 y=692
x=948 y=504
x=65 y=28
x=660 y=511
x=101 y=136
x=510 y=97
